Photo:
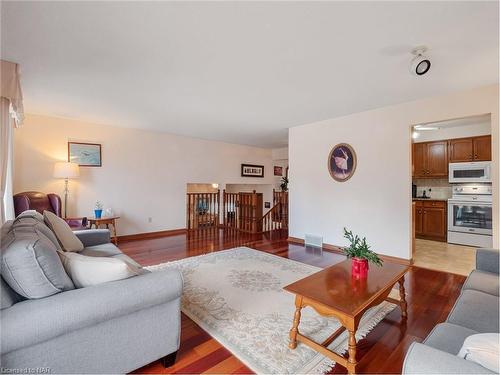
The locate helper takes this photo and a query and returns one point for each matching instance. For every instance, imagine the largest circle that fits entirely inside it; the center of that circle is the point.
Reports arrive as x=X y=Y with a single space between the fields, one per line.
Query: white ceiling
x=241 y=72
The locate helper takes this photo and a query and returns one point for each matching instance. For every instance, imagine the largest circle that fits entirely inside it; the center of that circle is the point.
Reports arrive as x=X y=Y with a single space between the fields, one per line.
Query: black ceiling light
x=420 y=64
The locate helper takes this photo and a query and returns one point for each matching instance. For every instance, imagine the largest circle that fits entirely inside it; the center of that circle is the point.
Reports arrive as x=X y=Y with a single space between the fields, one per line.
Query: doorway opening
x=451 y=192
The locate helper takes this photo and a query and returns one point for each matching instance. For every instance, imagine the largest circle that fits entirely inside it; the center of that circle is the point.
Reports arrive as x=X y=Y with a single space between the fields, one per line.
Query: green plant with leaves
x=359 y=248
x=284 y=184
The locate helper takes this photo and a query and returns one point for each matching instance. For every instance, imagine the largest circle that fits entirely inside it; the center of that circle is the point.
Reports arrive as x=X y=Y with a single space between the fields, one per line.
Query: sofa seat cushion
x=476 y=310
x=103 y=250
x=29 y=262
x=483 y=281
x=448 y=337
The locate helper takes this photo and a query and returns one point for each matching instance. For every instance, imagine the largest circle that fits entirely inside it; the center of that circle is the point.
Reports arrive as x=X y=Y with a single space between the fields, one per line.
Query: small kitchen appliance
x=470 y=215
x=470 y=172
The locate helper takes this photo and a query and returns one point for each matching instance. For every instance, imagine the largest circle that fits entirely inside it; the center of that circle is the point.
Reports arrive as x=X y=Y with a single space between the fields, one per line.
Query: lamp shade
x=66 y=170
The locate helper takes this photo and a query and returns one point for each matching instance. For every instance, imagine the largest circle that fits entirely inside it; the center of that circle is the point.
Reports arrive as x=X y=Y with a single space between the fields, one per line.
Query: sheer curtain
x=11 y=115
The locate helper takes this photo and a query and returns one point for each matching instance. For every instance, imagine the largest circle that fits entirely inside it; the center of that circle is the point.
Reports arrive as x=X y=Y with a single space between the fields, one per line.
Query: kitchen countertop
x=430 y=199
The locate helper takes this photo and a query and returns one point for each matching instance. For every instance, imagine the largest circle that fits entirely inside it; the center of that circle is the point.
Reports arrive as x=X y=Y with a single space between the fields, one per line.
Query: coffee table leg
x=402 y=297
x=352 y=353
x=296 y=321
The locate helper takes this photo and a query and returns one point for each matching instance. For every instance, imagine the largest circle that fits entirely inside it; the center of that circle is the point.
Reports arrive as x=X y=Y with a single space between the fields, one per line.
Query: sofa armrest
x=487 y=260
x=92 y=237
x=33 y=321
x=423 y=359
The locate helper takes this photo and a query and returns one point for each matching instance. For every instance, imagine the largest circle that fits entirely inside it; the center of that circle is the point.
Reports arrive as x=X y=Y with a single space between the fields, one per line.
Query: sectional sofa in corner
x=114 y=327
x=475 y=311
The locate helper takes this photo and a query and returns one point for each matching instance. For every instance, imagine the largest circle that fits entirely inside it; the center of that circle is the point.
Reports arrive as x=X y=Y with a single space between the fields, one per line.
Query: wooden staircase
x=240 y=211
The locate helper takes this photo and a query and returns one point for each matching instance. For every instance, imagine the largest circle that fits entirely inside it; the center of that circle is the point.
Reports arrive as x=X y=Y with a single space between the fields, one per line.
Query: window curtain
x=11 y=115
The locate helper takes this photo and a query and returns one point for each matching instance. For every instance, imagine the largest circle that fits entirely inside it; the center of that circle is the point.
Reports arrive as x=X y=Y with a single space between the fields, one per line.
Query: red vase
x=359 y=267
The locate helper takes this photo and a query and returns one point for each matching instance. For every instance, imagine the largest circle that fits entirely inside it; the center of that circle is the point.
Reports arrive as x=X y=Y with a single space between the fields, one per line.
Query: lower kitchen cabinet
x=431 y=220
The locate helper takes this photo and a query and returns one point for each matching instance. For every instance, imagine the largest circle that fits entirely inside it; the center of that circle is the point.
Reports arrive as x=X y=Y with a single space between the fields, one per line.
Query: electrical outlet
x=150 y=219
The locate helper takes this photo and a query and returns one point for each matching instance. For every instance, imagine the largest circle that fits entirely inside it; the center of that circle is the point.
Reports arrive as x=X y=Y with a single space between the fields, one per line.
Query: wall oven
x=470 y=215
x=473 y=172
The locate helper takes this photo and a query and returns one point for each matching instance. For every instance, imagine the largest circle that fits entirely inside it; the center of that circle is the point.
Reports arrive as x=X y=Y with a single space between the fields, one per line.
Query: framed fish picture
x=342 y=162
x=85 y=154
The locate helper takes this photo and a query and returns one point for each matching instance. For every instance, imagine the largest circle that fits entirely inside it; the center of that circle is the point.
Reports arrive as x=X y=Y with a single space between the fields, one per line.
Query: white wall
x=280 y=159
x=143 y=174
x=376 y=201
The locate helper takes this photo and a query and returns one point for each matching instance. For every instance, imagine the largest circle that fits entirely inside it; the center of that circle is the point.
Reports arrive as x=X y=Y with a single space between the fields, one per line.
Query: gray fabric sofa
x=114 y=327
x=475 y=311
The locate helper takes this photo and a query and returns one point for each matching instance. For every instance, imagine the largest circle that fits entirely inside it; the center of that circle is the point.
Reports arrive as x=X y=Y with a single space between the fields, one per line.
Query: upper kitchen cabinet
x=437 y=159
x=482 y=148
x=470 y=149
x=461 y=150
x=430 y=159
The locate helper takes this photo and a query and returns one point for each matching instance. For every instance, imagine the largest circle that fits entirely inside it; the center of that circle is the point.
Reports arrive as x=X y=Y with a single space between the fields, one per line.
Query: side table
x=105 y=221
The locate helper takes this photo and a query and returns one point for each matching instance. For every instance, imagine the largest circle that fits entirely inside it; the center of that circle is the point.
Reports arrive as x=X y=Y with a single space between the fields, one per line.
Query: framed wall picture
x=85 y=154
x=278 y=171
x=251 y=170
x=342 y=162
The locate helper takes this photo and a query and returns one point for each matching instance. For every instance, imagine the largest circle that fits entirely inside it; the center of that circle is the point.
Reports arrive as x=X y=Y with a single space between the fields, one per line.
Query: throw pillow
x=29 y=263
x=68 y=240
x=87 y=271
x=482 y=348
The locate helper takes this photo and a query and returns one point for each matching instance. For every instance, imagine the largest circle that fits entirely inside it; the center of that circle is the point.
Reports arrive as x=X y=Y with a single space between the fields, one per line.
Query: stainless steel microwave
x=479 y=171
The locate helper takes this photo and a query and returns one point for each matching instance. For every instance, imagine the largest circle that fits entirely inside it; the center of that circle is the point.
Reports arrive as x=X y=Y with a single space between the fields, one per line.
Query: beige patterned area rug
x=236 y=296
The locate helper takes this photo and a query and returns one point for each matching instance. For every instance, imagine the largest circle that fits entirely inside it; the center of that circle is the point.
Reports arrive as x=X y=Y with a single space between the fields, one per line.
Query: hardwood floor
x=430 y=296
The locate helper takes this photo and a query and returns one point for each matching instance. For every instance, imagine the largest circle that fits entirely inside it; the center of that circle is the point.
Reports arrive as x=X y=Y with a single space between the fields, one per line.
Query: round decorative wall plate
x=342 y=162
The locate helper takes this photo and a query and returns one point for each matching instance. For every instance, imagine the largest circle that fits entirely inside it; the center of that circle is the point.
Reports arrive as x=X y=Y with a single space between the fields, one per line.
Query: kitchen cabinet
x=431 y=220
x=470 y=149
x=482 y=148
x=430 y=159
x=418 y=219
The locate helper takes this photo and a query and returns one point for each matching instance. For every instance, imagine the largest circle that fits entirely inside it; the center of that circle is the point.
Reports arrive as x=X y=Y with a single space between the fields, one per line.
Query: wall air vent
x=313 y=240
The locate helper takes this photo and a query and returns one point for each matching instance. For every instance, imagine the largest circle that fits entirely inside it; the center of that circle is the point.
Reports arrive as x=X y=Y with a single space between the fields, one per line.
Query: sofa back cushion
x=32 y=218
x=29 y=261
x=68 y=240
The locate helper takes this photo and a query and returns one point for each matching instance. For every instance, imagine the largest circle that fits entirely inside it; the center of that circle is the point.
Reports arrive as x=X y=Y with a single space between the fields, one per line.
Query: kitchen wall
x=143 y=174
x=459 y=128
x=376 y=201
x=436 y=188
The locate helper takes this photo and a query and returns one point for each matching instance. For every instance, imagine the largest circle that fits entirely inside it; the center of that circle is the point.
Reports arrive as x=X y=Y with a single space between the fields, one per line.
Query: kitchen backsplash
x=440 y=188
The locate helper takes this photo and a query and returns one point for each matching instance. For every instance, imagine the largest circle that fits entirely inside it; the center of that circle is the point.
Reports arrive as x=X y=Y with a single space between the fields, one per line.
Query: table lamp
x=66 y=170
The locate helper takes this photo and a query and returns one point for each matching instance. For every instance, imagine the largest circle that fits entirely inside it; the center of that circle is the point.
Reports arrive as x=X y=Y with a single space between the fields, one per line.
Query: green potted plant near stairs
x=360 y=253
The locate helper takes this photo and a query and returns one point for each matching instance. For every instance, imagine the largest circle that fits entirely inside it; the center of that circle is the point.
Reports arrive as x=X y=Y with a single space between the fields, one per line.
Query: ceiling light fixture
x=426 y=127
x=420 y=64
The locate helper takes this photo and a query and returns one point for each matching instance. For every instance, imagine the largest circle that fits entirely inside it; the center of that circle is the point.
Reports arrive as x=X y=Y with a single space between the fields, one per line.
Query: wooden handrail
x=275 y=218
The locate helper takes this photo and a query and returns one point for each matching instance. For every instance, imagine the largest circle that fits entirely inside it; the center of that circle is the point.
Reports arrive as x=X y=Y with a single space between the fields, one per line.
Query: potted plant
x=284 y=184
x=360 y=253
x=98 y=210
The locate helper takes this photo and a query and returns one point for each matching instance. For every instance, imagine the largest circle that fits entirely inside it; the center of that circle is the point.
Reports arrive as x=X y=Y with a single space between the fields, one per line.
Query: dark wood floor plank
x=430 y=296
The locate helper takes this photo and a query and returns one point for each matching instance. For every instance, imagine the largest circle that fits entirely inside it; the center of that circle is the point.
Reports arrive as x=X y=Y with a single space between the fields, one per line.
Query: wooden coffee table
x=334 y=292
